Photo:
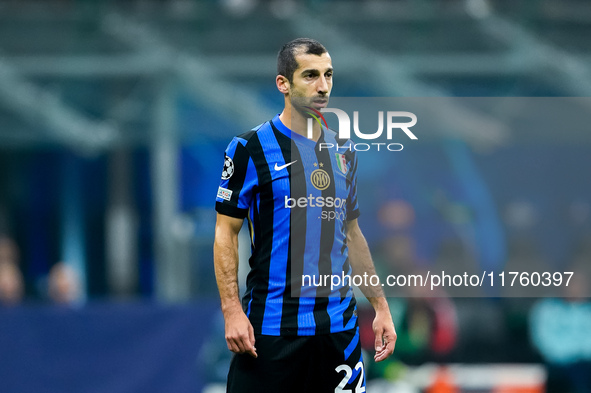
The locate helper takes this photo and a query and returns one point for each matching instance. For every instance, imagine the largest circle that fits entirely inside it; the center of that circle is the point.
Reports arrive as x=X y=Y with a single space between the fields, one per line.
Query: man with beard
x=292 y=333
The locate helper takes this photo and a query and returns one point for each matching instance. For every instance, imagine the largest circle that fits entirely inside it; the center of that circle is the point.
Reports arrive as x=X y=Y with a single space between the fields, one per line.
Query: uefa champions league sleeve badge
x=228 y=168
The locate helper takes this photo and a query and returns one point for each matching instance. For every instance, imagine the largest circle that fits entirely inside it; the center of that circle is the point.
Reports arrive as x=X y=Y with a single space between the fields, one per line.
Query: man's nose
x=322 y=86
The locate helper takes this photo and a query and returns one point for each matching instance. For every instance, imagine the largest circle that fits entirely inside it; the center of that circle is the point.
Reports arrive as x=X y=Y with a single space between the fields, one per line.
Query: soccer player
x=291 y=332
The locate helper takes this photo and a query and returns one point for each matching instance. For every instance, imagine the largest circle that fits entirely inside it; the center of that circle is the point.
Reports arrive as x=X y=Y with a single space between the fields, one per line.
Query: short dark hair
x=286 y=61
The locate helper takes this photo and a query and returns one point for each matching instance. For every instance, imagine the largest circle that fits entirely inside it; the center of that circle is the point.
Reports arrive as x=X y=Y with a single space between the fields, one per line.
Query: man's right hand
x=239 y=333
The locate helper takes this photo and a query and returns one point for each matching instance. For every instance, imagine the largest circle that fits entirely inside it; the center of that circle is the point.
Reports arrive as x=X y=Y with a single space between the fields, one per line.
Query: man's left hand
x=385 y=335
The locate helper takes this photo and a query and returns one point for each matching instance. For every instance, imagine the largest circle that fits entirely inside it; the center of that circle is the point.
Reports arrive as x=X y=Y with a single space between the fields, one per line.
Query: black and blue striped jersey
x=297 y=195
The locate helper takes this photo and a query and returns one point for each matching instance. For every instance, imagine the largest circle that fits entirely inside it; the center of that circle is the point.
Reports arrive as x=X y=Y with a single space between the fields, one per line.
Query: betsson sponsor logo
x=312 y=201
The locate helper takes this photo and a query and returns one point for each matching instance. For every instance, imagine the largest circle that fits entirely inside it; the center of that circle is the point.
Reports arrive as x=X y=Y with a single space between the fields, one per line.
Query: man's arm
x=239 y=330
x=361 y=262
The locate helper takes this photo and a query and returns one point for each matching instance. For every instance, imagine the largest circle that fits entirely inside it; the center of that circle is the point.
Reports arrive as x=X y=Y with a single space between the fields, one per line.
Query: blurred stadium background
x=113 y=120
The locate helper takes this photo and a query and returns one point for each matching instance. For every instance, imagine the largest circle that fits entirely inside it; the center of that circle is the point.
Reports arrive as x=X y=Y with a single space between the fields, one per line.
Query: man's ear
x=282 y=84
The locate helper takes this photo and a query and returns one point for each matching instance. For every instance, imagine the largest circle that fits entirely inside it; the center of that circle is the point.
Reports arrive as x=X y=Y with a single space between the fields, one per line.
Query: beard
x=302 y=103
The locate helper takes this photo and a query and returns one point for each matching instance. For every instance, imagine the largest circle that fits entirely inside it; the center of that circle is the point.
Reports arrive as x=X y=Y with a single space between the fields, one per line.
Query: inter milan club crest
x=320 y=179
x=228 y=168
x=342 y=162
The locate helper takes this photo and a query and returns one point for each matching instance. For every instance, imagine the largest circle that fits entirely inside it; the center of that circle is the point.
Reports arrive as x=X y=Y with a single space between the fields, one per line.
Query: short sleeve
x=238 y=181
x=352 y=202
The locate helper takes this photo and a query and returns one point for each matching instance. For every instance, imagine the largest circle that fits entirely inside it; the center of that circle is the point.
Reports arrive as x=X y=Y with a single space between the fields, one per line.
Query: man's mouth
x=320 y=102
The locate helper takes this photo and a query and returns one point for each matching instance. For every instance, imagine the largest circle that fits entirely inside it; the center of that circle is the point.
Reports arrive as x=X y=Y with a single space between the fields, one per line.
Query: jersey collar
x=294 y=135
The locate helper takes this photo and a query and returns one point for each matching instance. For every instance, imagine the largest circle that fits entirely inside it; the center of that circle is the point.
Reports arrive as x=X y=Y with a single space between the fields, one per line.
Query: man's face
x=312 y=82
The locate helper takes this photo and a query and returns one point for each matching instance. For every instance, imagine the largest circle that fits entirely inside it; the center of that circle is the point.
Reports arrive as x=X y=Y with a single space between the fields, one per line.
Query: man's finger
x=382 y=355
x=388 y=348
x=244 y=345
x=232 y=345
x=389 y=342
x=240 y=345
x=379 y=339
x=253 y=351
x=390 y=338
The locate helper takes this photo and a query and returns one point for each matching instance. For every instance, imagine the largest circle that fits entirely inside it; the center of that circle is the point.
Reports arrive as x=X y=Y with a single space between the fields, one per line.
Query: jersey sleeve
x=352 y=202
x=239 y=179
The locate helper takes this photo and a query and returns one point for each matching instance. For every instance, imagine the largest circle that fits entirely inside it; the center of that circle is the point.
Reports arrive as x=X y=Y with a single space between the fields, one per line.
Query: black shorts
x=313 y=364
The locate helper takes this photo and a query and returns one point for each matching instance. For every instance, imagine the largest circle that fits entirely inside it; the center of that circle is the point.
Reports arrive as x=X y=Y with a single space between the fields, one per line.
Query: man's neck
x=293 y=120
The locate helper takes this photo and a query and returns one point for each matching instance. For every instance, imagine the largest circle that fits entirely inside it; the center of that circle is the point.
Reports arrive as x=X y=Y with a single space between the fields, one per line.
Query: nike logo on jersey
x=278 y=168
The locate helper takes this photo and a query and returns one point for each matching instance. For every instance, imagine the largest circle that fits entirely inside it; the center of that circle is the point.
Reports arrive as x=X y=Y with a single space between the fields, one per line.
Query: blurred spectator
x=11 y=284
x=8 y=251
x=63 y=284
x=11 y=278
x=560 y=331
x=396 y=214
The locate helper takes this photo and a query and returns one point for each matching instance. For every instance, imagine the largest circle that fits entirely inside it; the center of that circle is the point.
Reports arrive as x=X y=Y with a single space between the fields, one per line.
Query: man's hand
x=383 y=328
x=362 y=264
x=239 y=333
